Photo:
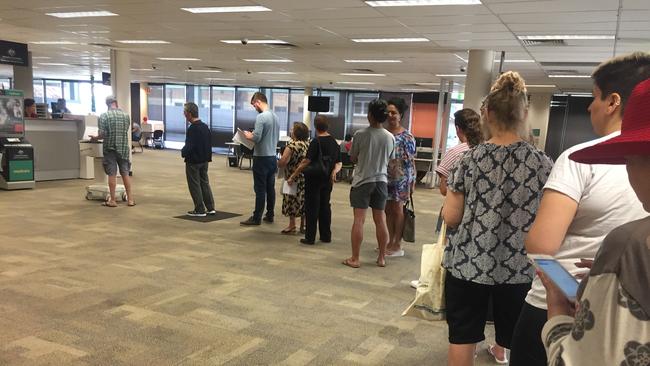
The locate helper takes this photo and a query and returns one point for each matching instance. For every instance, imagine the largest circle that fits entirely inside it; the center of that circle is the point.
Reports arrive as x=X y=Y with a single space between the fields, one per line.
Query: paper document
x=291 y=190
x=242 y=140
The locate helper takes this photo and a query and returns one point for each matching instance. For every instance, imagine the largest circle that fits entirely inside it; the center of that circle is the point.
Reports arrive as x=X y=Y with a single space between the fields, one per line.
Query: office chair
x=347 y=168
x=157 y=139
x=137 y=143
x=245 y=153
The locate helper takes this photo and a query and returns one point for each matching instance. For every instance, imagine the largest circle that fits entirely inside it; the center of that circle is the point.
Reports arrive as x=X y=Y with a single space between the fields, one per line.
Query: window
x=53 y=91
x=101 y=92
x=223 y=115
x=155 y=102
x=38 y=91
x=245 y=114
x=296 y=106
x=334 y=102
x=279 y=103
x=175 y=123
x=78 y=97
x=200 y=95
x=359 y=116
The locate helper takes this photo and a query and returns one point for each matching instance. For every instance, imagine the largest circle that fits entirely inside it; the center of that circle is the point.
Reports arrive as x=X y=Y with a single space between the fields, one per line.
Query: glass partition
x=155 y=103
x=223 y=115
x=279 y=103
x=296 y=106
x=53 y=91
x=175 y=123
x=245 y=114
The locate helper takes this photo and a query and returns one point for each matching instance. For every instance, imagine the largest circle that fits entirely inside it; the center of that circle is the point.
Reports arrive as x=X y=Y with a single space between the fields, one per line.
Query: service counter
x=56 y=147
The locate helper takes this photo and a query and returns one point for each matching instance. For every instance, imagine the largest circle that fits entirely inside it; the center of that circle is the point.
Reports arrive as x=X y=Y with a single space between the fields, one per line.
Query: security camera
x=244 y=41
x=463 y=69
x=248 y=71
x=331 y=83
x=189 y=67
x=153 y=67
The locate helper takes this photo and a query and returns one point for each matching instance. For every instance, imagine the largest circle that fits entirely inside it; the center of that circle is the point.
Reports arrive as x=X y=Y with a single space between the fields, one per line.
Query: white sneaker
x=415 y=283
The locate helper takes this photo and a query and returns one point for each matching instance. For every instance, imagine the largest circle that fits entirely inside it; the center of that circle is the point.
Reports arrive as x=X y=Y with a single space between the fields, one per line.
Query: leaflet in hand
x=290 y=189
x=241 y=139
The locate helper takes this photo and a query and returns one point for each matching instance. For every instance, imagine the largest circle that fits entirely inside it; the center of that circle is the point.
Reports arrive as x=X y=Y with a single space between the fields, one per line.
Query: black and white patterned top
x=502 y=186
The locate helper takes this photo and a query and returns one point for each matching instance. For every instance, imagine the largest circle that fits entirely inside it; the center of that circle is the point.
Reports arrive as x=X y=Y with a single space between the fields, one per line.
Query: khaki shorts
x=112 y=162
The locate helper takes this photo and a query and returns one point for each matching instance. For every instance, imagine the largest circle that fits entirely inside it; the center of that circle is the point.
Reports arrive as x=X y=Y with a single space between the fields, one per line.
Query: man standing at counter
x=114 y=129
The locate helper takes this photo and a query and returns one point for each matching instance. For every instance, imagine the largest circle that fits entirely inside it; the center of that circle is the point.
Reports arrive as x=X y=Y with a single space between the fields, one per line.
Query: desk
x=148 y=129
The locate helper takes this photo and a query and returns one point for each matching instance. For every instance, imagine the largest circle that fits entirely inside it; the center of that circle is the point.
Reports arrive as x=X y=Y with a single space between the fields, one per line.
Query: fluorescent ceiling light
x=40 y=58
x=142 y=41
x=570 y=76
x=426 y=84
x=208 y=70
x=355 y=82
x=254 y=41
x=83 y=14
x=516 y=61
x=389 y=40
x=223 y=79
x=460 y=58
x=276 y=72
x=284 y=81
x=562 y=37
x=418 y=90
x=267 y=60
x=381 y=3
x=178 y=59
x=54 y=42
x=226 y=9
x=359 y=74
x=52 y=64
x=373 y=61
x=451 y=75
x=540 y=86
x=141 y=69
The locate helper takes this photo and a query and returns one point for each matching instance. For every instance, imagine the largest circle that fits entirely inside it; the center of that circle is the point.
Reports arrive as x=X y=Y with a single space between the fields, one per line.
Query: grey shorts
x=369 y=195
x=112 y=161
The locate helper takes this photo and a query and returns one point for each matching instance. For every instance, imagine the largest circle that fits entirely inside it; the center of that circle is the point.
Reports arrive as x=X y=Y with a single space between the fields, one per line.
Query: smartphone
x=557 y=274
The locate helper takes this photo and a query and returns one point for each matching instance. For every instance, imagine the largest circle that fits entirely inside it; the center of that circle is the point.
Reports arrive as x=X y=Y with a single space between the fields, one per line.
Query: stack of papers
x=242 y=140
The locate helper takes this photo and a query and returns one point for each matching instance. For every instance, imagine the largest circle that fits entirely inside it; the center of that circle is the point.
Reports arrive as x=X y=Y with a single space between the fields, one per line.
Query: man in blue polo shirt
x=265 y=163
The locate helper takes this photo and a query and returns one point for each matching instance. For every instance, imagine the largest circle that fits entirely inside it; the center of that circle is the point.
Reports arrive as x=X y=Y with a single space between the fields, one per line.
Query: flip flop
x=381 y=264
x=503 y=361
x=131 y=204
x=348 y=263
x=108 y=204
x=288 y=231
x=399 y=253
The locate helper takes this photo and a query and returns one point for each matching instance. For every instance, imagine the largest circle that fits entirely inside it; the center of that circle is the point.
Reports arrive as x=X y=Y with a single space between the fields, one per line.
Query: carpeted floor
x=82 y=284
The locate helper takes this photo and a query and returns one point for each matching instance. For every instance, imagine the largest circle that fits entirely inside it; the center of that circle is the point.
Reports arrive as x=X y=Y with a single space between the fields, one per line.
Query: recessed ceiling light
x=54 y=42
x=569 y=36
x=52 y=64
x=355 y=74
x=83 y=14
x=380 y=3
x=284 y=81
x=373 y=61
x=355 y=82
x=178 y=59
x=570 y=76
x=207 y=70
x=143 y=41
x=276 y=72
x=267 y=60
x=226 y=9
x=540 y=86
x=389 y=40
x=451 y=75
x=254 y=41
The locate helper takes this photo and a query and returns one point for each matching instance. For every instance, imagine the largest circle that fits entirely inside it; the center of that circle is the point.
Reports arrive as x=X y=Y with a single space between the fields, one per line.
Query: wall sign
x=12 y=53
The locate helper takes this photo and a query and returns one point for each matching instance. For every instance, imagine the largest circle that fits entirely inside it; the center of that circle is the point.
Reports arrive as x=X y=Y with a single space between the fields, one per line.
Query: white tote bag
x=429 y=303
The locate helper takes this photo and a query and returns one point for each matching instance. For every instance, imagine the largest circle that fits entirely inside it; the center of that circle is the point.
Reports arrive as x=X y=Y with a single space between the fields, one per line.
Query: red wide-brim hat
x=635 y=133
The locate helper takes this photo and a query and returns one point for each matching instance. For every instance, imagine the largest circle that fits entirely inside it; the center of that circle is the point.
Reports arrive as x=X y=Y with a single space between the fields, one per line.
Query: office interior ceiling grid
x=322 y=33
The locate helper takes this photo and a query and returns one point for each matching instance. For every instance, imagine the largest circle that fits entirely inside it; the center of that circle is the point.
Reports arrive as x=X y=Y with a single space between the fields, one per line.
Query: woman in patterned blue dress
x=401 y=176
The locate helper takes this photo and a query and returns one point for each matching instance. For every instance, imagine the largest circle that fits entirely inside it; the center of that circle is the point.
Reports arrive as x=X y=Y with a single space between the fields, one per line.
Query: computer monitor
x=56 y=112
x=318 y=104
x=423 y=142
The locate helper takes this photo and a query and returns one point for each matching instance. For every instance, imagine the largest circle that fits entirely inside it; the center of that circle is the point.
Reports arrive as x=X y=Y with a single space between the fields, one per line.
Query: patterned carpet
x=82 y=284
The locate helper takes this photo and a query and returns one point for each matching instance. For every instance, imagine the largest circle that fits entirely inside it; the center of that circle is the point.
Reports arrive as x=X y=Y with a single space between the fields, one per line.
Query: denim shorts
x=112 y=161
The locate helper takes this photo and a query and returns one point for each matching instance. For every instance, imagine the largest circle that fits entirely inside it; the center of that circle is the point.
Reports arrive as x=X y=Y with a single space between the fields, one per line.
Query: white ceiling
x=322 y=32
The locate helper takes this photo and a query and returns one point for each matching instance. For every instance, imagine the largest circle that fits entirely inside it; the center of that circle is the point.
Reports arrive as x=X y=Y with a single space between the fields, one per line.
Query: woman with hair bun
x=492 y=198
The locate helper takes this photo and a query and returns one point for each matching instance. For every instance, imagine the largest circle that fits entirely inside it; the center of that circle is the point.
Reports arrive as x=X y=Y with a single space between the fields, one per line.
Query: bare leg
x=381 y=231
x=396 y=237
x=127 y=185
x=499 y=352
x=357 y=234
x=461 y=354
x=112 y=183
x=292 y=224
x=390 y=222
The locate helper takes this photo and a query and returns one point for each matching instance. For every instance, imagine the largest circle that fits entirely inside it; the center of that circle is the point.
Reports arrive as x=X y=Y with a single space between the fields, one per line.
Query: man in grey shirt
x=265 y=163
x=372 y=148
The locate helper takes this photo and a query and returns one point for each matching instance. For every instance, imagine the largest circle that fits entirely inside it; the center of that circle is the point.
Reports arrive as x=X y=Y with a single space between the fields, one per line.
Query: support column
x=479 y=77
x=539 y=110
x=442 y=118
x=306 y=114
x=24 y=78
x=121 y=83
x=144 y=106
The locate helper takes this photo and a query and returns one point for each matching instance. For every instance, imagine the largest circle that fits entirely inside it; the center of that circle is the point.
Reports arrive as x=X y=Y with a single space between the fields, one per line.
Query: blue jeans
x=264 y=168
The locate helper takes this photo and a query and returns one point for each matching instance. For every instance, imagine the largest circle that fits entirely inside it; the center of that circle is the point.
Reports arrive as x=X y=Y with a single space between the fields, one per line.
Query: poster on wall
x=12 y=53
x=12 y=122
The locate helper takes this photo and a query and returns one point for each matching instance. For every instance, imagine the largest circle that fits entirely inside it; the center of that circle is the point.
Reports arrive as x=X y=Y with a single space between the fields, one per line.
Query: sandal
x=502 y=361
x=351 y=264
x=289 y=230
x=381 y=263
x=109 y=204
x=131 y=204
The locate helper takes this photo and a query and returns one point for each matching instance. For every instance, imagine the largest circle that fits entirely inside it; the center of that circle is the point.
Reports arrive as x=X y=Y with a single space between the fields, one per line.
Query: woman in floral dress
x=294 y=205
x=401 y=176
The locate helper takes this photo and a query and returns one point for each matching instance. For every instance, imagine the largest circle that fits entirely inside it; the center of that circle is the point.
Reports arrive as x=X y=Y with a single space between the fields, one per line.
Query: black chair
x=347 y=168
x=157 y=139
x=245 y=153
x=136 y=141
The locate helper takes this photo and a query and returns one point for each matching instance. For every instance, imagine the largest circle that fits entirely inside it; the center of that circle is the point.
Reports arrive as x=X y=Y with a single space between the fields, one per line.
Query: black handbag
x=408 y=234
x=317 y=167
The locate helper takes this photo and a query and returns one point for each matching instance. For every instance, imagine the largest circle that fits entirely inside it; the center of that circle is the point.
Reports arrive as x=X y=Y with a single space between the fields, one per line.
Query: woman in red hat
x=610 y=323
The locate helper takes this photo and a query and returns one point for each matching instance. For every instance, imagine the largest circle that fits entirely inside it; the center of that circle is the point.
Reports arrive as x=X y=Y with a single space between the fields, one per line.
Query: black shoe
x=195 y=213
x=268 y=219
x=211 y=212
x=308 y=242
x=325 y=240
x=250 y=222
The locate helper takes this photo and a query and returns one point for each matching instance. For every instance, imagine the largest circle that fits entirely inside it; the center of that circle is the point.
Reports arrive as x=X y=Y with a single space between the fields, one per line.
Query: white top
x=605 y=201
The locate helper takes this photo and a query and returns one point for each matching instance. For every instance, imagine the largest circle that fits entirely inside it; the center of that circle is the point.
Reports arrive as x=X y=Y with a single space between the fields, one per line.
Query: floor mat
x=220 y=215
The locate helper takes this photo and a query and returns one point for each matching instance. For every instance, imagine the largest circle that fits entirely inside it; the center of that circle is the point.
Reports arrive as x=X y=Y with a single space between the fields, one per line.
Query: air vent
x=282 y=46
x=569 y=64
x=101 y=45
x=543 y=43
x=366 y=71
x=564 y=72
